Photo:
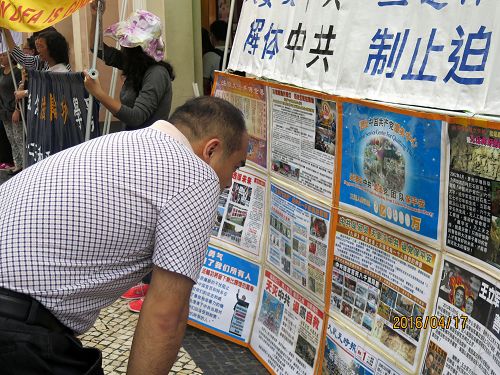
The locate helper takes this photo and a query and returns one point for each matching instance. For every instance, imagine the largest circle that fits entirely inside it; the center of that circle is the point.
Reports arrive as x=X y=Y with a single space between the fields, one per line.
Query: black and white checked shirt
x=82 y=226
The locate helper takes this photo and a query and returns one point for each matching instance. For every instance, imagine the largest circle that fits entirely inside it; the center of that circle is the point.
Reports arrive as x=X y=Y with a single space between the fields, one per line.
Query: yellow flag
x=35 y=15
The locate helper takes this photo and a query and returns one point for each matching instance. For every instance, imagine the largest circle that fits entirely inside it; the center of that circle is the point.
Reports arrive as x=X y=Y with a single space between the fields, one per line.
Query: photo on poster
x=271 y=312
x=391 y=169
x=326 y=126
x=236 y=215
x=392 y=340
x=305 y=350
x=473 y=223
x=434 y=360
x=232 y=232
x=241 y=194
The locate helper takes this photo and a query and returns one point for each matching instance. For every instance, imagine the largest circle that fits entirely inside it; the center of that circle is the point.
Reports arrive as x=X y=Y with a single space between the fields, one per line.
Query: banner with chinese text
x=379 y=280
x=224 y=299
x=250 y=97
x=392 y=167
x=299 y=234
x=303 y=138
x=465 y=333
x=35 y=15
x=240 y=213
x=57 y=113
x=347 y=354
x=431 y=53
x=287 y=331
x=473 y=195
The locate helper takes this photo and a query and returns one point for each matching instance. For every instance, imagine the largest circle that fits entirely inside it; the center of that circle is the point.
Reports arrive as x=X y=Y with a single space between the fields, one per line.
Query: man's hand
x=16 y=116
x=162 y=323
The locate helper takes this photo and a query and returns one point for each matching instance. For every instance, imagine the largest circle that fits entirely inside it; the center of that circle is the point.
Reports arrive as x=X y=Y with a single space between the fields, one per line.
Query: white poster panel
x=298 y=239
x=381 y=281
x=465 y=327
x=432 y=53
x=347 y=354
x=240 y=213
x=225 y=297
x=287 y=331
x=18 y=40
x=303 y=139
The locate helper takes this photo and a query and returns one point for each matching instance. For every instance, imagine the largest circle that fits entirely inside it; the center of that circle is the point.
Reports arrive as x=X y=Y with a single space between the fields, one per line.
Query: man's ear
x=210 y=148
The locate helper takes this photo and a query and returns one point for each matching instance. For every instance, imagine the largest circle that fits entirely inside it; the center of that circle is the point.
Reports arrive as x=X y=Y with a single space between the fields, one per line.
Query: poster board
x=392 y=168
x=299 y=232
x=465 y=334
x=473 y=191
x=288 y=328
x=380 y=280
x=303 y=139
x=346 y=353
x=224 y=299
x=250 y=97
x=239 y=225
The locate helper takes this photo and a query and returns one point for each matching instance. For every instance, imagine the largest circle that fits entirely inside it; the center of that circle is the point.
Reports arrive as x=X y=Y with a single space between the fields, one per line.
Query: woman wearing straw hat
x=146 y=95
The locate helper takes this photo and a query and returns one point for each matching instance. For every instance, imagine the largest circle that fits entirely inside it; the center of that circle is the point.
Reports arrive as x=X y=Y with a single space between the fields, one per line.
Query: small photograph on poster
x=271 y=312
x=326 y=127
x=394 y=341
x=391 y=169
x=240 y=212
x=434 y=361
x=347 y=354
x=305 y=350
x=473 y=225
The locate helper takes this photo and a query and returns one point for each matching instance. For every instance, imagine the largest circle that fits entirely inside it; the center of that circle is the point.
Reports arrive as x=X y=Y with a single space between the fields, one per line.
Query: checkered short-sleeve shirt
x=82 y=226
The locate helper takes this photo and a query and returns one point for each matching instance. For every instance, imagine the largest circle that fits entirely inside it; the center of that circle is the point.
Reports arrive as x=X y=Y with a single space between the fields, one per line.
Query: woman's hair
x=57 y=45
x=135 y=64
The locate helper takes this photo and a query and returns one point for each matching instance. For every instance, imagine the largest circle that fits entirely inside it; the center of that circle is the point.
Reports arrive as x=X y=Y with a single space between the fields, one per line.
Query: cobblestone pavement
x=201 y=353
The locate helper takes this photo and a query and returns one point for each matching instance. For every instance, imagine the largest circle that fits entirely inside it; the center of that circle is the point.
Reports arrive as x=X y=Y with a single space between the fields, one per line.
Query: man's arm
x=161 y=325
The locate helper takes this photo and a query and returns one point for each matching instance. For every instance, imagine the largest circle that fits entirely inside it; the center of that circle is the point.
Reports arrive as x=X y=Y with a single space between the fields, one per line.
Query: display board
x=303 y=135
x=299 y=233
x=473 y=194
x=287 y=329
x=392 y=167
x=250 y=97
x=224 y=299
x=351 y=270
x=465 y=327
x=241 y=212
x=379 y=281
x=345 y=353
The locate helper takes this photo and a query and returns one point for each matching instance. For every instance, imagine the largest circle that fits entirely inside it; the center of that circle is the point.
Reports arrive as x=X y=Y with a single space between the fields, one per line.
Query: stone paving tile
x=201 y=353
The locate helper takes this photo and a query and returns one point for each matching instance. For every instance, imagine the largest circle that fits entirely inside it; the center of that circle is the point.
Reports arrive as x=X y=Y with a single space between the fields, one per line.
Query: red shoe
x=136 y=305
x=138 y=291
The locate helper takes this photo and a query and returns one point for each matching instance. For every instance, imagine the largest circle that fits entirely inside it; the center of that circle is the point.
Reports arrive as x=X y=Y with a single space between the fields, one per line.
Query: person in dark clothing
x=146 y=95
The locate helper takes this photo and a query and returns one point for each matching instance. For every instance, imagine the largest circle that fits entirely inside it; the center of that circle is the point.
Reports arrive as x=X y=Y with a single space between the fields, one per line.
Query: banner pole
x=228 y=35
x=112 y=89
x=92 y=70
x=15 y=83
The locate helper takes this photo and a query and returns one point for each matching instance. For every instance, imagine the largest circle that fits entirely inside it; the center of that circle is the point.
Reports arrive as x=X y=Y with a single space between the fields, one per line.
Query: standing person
x=97 y=222
x=52 y=48
x=212 y=60
x=146 y=94
x=9 y=114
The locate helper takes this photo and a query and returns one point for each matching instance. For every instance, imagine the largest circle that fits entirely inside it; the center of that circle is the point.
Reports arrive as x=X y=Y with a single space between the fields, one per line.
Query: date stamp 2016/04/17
x=433 y=322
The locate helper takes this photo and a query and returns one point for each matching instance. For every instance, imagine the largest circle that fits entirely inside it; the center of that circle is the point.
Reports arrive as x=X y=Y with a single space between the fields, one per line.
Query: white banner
x=18 y=40
x=432 y=53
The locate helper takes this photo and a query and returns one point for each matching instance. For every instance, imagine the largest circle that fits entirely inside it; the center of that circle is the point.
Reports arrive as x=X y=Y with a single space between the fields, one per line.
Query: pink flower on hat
x=141 y=29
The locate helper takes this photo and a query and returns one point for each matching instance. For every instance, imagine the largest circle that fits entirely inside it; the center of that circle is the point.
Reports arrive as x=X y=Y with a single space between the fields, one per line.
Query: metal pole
x=228 y=35
x=14 y=80
x=112 y=89
x=92 y=70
